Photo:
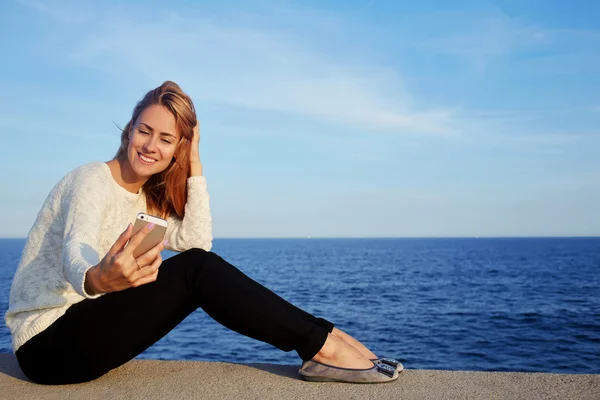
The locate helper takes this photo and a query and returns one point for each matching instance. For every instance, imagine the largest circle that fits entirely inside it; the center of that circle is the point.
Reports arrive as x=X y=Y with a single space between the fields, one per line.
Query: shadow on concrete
x=9 y=366
x=287 y=371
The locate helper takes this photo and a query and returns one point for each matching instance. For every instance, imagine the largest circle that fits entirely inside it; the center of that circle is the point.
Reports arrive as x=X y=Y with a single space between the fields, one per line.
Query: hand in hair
x=195 y=164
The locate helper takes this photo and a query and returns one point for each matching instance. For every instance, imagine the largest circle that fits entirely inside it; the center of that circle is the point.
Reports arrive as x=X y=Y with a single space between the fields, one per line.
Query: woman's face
x=152 y=141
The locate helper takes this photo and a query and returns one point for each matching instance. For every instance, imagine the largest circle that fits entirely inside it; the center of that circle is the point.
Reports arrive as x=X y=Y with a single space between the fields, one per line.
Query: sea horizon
x=522 y=304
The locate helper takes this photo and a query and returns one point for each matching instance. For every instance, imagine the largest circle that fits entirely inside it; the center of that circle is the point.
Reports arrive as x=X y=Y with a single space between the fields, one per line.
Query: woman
x=81 y=304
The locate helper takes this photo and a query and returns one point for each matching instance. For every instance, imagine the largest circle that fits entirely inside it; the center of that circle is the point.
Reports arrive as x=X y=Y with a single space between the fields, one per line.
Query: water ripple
x=489 y=304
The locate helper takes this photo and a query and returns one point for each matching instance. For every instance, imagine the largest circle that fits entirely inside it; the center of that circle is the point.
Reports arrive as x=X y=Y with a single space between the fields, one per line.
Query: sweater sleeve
x=195 y=229
x=83 y=206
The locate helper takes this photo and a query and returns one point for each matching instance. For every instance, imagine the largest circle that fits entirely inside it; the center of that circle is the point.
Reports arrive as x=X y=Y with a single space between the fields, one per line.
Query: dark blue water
x=470 y=304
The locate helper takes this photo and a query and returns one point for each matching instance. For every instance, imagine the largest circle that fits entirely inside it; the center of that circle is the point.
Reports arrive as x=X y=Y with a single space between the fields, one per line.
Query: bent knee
x=195 y=250
x=202 y=256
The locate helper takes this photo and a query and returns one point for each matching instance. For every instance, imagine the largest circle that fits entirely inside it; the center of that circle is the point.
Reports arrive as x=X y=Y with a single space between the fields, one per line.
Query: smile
x=146 y=160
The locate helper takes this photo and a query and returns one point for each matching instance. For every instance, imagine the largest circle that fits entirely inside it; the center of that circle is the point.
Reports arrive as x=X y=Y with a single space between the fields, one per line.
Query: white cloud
x=258 y=67
x=264 y=69
x=521 y=139
x=481 y=39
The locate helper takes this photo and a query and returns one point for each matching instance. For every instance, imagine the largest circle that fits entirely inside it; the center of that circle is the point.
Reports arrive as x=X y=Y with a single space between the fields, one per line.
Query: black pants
x=97 y=335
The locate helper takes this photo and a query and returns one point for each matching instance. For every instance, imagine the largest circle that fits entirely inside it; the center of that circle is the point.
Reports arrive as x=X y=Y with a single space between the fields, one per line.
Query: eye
x=166 y=141
x=143 y=132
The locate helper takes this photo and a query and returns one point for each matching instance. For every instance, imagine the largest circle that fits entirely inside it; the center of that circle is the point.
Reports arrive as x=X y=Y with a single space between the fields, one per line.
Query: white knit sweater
x=80 y=220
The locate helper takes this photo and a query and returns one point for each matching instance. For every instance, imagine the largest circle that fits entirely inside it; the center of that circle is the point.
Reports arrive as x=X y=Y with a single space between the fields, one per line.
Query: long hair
x=166 y=191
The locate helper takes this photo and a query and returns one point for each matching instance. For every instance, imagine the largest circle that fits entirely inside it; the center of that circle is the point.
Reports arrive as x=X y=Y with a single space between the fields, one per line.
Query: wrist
x=91 y=281
x=195 y=168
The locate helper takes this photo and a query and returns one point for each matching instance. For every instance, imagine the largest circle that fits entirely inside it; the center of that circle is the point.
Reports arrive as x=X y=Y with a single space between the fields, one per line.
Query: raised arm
x=195 y=229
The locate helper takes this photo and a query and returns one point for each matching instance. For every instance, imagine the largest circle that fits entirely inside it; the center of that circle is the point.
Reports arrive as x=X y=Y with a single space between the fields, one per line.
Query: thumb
x=121 y=241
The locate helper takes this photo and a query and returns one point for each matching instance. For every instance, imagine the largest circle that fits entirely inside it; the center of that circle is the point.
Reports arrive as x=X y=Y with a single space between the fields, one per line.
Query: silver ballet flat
x=315 y=371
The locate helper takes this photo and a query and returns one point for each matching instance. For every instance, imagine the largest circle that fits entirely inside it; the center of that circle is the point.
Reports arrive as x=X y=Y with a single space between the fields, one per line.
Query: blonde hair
x=166 y=191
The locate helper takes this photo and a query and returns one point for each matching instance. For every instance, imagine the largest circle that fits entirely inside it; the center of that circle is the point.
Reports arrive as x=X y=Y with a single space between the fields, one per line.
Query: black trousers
x=97 y=335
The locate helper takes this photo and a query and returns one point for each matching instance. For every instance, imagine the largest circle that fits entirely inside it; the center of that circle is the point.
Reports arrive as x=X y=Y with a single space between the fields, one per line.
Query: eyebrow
x=162 y=133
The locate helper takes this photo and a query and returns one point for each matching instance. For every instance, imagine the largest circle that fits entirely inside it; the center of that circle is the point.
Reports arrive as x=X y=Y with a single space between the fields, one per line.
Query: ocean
x=488 y=304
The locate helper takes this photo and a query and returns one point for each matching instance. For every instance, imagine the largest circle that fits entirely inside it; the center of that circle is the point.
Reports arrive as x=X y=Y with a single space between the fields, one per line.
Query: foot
x=354 y=343
x=317 y=372
x=338 y=353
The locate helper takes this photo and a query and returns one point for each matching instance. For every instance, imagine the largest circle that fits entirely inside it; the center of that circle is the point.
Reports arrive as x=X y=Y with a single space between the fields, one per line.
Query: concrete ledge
x=142 y=379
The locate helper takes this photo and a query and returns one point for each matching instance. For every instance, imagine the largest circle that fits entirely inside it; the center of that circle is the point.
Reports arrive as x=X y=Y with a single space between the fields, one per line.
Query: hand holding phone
x=120 y=268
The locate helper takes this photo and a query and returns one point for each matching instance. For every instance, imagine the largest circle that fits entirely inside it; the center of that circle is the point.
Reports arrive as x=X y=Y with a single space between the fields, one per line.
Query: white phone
x=153 y=238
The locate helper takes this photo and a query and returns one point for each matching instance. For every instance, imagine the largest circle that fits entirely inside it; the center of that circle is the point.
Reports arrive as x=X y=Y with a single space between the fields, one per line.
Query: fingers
x=196 y=135
x=197 y=129
x=149 y=256
x=149 y=273
x=136 y=239
x=121 y=241
x=194 y=151
x=149 y=259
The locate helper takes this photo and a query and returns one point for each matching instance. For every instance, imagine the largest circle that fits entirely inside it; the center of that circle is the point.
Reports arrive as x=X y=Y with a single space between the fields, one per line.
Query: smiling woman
x=145 y=147
x=156 y=148
x=83 y=301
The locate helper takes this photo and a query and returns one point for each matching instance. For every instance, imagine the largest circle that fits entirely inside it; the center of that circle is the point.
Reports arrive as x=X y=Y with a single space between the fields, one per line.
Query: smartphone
x=153 y=238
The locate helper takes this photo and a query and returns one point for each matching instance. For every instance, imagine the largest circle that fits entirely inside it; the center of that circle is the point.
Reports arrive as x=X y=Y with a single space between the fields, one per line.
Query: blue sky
x=323 y=118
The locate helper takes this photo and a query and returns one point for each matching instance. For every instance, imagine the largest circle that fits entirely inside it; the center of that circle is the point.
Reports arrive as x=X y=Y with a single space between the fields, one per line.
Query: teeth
x=148 y=160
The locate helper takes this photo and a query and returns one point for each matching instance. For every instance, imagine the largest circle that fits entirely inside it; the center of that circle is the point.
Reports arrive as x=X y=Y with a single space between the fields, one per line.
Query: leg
x=331 y=349
x=95 y=336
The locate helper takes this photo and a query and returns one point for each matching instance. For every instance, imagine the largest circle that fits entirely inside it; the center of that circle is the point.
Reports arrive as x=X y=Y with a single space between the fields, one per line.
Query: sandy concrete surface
x=142 y=379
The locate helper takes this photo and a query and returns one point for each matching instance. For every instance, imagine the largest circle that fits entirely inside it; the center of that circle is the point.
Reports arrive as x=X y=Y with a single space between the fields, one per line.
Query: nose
x=150 y=144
